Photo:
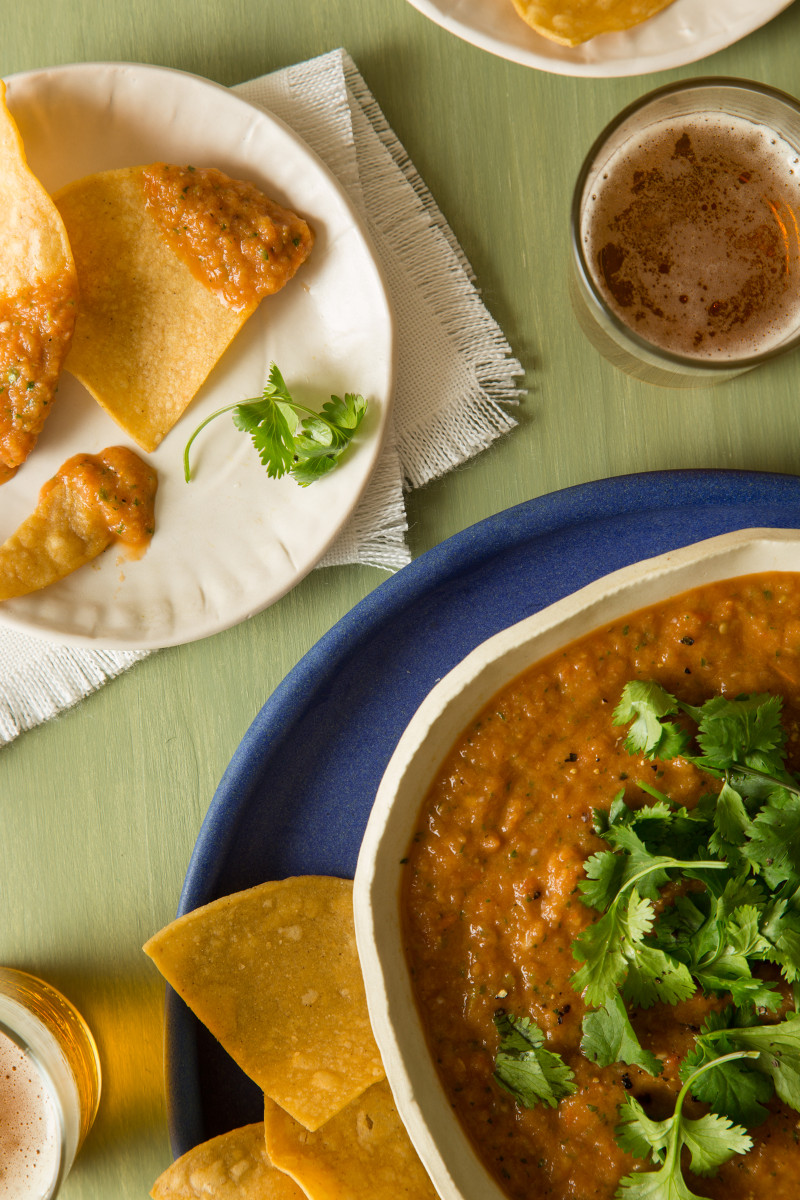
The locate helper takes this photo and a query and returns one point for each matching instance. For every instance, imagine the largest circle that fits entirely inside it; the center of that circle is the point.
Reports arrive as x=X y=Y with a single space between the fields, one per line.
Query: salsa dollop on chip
x=38 y=293
x=91 y=501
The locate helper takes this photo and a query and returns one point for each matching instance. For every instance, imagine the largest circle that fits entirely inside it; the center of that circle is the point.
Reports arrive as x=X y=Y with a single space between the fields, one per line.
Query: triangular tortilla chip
x=233 y=1166
x=364 y=1153
x=273 y=973
x=38 y=291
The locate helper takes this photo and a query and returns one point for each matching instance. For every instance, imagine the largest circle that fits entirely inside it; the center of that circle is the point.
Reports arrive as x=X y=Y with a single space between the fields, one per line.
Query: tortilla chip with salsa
x=38 y=293
x=171 y=262
x=91 y=501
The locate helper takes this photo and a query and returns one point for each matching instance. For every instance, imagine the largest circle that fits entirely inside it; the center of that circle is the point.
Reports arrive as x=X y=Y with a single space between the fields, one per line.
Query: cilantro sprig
x=613 y=950
x=711 y=1141
x=290 y=438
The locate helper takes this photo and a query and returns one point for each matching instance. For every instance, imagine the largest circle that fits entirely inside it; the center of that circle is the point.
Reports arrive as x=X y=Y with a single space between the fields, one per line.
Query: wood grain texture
x=100 y=808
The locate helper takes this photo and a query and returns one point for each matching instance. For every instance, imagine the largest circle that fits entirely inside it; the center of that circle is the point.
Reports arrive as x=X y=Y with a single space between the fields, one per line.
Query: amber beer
x=49 y=1086
x=687 y=228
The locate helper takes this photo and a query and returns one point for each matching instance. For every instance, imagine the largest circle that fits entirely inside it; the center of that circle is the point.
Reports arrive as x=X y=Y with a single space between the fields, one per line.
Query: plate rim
x=601 y=69
x=148 y=641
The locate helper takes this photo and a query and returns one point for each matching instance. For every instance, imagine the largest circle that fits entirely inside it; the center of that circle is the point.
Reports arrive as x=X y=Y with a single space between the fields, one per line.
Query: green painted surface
x=100 y=808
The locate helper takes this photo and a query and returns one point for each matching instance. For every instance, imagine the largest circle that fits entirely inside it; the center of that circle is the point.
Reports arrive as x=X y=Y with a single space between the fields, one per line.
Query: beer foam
x=29 y=1129
x=691 y=232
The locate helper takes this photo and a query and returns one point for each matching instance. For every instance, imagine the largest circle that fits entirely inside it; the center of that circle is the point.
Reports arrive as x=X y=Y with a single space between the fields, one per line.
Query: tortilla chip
x=148 y=332
x=38 y=290
x=571 y=22
x=233 y=1166
x=363 y=1152
x=72 y=523
x=274 y=974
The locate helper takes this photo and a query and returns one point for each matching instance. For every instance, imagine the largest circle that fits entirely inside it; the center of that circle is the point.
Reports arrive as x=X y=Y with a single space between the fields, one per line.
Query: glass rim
x=698 y=366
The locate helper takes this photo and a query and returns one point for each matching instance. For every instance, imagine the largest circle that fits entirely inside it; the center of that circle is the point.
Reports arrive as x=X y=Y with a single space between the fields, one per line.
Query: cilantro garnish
x=288 y=442
x=710 y=1140
x=738 y=850
x=525 y=1068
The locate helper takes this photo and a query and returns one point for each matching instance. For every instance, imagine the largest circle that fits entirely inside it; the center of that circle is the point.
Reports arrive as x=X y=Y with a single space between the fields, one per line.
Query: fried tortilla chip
x=233 y=1166
x=171 y=262
x=38 y=291
x=571 y=22
x=364 y=1153
x=92 y=501
x=274 y=974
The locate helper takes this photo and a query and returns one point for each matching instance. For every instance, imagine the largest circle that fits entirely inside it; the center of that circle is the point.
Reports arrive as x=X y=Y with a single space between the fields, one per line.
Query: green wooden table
x=100 y=808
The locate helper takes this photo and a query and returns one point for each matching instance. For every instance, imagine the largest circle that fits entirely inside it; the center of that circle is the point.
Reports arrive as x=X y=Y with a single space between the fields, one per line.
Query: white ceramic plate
x=441 y=1143
x=232 y=541
x=683 y=33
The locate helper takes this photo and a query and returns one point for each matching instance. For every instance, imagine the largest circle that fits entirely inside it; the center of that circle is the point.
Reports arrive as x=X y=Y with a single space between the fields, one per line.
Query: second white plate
x=683 y=33
x=232 y=541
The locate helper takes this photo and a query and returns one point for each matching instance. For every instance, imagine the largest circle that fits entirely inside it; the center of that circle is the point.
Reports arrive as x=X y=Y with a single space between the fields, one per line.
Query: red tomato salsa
x=120 y=490
x=36 y=328
x=491 y=900
x=233 y=238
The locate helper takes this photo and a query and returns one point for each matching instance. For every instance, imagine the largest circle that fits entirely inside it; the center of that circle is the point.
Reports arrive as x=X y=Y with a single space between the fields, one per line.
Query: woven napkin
x=456 y=374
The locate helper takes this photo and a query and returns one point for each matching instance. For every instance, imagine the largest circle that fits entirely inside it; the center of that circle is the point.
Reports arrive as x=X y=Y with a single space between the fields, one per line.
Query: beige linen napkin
x=456 y=374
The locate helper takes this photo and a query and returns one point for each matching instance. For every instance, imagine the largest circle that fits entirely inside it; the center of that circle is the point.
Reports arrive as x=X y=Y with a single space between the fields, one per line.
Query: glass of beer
x=49 y=1086
x=685 y=232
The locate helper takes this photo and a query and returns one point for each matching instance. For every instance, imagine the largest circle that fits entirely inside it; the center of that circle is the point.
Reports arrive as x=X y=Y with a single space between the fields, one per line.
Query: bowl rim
x=442 y=1144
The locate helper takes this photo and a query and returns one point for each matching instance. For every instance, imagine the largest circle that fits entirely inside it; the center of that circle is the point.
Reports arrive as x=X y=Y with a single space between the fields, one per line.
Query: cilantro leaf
x=775 y=1050
x=525 y=1068
x=645 y=704
x=734 y=1088
x=609 y=1037
x=656 y=976
x=773 y=848
x=745 y=731
x=290 y=438
x=778 y=1049
x=780 y=928
x=605 y=875
x=606 y=946
x=718 y=952
x=271 y=428
x=732 y=824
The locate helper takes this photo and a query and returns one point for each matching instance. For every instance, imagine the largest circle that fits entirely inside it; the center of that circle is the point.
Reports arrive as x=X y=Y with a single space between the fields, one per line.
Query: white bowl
x=440 y=1141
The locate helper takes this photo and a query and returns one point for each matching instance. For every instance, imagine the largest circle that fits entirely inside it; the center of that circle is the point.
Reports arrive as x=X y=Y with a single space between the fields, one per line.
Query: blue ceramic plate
x=296 y=796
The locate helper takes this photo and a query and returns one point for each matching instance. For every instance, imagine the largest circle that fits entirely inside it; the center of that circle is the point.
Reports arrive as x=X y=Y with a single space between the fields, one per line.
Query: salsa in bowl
x=512 y=896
